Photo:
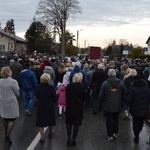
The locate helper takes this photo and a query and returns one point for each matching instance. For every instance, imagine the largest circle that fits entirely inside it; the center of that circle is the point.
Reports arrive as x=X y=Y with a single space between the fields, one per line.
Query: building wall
x=7 y=44
x=148 y=48
x=4 y=42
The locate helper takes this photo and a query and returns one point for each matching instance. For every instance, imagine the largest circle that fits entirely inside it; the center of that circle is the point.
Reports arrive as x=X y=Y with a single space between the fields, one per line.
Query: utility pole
x=78 y=39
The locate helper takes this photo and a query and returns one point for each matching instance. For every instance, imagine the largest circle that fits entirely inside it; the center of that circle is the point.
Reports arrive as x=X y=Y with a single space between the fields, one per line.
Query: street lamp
x=78 y=38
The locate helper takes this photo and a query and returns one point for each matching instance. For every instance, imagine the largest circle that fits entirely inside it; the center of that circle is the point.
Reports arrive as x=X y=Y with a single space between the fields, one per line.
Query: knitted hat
x=77 y=63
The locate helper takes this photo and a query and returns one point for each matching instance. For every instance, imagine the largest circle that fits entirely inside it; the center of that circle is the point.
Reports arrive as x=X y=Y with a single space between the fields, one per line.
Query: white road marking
x=36 y=140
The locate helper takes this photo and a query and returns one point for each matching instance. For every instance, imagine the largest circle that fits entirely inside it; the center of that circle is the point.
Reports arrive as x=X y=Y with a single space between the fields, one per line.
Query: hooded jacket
x=27 y=80
x=139 y=99
x=61 y=93
x=49 y=70
x=112 y=93
x=77 y=69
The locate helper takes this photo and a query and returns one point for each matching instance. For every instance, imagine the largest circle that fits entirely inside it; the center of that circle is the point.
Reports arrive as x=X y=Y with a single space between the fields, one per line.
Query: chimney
x=6 y=29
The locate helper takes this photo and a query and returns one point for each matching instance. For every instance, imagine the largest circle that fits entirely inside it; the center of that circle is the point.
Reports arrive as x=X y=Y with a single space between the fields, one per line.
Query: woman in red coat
x=75 y=95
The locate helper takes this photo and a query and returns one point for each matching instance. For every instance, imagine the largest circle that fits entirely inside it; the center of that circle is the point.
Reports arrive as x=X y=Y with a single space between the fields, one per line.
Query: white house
x=148 y=46
x=10 y=42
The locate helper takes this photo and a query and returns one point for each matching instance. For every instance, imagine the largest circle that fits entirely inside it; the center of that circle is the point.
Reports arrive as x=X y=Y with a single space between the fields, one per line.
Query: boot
x=8 y=140
x=75 y=132
x=69 y=141
x=136 y=140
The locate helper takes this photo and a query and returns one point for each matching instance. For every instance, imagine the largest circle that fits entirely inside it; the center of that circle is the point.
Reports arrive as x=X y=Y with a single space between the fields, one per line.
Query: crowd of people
x=75 y=83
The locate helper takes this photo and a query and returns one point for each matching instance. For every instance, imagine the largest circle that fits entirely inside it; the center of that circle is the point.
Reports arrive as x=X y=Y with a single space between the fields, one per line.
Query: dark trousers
x=138 y=125
x=112 y=123
x=95 y=104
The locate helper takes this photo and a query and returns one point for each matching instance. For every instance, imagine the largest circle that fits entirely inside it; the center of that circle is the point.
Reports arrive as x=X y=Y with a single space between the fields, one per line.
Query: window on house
x=2 y=47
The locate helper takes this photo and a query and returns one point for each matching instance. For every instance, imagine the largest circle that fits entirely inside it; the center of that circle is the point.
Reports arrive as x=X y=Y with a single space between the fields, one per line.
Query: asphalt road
x=91 y=136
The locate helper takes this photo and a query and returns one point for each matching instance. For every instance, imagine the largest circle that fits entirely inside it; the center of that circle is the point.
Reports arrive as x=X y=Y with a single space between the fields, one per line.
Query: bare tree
x=57 y=12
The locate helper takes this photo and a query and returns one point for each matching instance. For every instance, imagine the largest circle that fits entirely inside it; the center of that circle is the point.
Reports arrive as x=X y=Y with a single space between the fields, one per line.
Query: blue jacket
x=27 y=80
x=77 y=69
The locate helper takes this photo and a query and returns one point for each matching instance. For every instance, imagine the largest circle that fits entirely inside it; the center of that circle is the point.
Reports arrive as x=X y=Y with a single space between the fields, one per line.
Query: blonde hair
x=133 y=72
x=77 y=77
x=45 y=78
x=6 y=72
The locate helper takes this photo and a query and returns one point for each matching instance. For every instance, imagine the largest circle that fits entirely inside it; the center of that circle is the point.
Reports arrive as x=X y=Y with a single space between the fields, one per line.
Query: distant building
x=11 y=43
x=148 y=46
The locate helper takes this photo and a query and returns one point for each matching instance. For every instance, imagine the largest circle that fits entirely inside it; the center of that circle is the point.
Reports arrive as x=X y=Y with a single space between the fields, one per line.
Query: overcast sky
x=101 y=21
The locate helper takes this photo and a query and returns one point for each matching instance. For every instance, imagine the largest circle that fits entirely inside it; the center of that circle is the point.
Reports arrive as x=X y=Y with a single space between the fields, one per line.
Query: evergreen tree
x=38 y=38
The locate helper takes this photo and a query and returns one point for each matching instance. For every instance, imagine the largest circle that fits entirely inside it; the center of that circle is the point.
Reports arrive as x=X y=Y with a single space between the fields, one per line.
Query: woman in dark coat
x=139 y=100
x=95 y=84
x=46 y=97
x=75 y=95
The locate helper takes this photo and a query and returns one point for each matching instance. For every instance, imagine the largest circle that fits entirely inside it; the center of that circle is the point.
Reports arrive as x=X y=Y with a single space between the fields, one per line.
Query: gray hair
x=111 y=72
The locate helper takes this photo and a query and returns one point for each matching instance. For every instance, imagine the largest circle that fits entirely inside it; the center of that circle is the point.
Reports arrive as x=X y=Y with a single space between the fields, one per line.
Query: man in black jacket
x=112 y=92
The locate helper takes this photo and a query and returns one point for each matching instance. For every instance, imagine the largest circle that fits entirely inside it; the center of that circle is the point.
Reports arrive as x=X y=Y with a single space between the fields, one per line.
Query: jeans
x=28 y=98
x=125 y=106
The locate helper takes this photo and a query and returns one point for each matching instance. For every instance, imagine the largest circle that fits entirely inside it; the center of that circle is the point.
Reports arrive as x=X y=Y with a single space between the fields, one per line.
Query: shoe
x=74 y=142
x=115 y=136
x=50 y=134
x=69 y=142
x=60 y=117
x=28 y=112
x=8 y=140
x=94 y=112
x=110 y=139
x=126 y=114
x=41 y=141
x=136 y=140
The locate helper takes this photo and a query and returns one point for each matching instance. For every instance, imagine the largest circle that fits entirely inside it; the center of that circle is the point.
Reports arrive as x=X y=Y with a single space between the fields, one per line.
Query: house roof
x=148 y=40
x=17 y=38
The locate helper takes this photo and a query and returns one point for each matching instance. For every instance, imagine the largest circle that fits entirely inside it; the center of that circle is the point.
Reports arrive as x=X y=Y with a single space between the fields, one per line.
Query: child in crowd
x=61 y=93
